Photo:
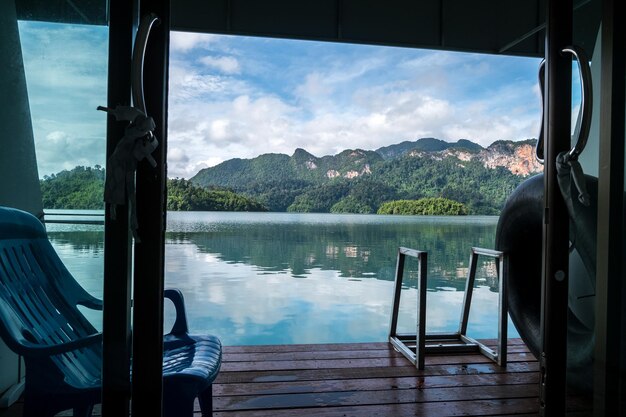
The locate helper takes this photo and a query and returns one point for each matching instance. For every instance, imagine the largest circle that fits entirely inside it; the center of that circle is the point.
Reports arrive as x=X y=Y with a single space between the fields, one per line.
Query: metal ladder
x=415 y=346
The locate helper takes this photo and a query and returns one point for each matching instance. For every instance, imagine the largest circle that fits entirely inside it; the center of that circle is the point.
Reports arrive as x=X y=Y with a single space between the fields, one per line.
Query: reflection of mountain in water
x=356 y=250
x=80 y=241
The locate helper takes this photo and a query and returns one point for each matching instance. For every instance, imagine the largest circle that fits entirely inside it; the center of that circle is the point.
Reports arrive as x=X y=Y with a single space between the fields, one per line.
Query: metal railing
x=414 y=346
x=66 y=217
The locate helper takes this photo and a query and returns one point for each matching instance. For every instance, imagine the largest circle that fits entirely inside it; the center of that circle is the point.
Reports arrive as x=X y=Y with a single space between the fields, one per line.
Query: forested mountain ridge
x=359 y=181
x=426 y=145
x=353 y=181
x=517 y=157
x=276 y=168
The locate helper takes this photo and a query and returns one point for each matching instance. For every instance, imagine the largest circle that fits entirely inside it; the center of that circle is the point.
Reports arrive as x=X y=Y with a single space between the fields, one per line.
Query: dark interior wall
x=476 y=26
x=512 y=27
x=63 y=11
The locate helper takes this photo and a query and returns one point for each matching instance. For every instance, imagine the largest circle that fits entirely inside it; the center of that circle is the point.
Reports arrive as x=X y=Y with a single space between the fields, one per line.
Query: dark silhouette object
x=519 y=233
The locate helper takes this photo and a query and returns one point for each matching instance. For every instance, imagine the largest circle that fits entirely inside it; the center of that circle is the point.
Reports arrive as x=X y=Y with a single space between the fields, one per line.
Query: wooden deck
x=371 y=379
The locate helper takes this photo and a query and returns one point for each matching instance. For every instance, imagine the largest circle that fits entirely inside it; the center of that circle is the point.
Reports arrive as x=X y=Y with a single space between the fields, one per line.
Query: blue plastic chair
x=62 y=351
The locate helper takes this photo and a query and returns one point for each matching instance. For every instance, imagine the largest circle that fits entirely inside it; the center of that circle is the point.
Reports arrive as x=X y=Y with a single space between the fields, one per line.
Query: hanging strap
x=569 y=169
x=137 y=143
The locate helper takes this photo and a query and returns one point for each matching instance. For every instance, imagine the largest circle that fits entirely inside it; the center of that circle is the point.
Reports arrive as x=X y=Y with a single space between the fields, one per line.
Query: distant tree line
x=83 y=188
x=79 y=188
x=399 y=186
x=182 y=195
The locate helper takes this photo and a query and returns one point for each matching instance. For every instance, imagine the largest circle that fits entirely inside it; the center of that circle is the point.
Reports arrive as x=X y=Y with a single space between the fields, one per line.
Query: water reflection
x=82 y=252
x=266 y=278
x=355 y=246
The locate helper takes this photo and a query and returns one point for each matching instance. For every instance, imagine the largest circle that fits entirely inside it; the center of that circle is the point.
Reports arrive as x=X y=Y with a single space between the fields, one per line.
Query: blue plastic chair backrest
x=39 y=297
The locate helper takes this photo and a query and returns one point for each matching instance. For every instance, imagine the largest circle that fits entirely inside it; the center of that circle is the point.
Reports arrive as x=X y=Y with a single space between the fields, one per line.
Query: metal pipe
x=555 y=273
x=581 y=133
x=116 y=343
x=147 y=388
x=139 y=54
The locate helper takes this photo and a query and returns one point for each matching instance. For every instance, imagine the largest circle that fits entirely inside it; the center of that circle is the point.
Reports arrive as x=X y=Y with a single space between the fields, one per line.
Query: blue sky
x=238 y=97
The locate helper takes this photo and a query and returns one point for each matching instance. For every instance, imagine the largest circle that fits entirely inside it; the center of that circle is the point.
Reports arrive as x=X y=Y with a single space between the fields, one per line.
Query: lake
x=274 y=278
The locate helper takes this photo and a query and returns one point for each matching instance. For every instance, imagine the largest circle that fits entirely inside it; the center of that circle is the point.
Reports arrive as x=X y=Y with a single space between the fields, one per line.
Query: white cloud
x=177 y=155
x=225 y=64
x=314 y=86
x=320 y=121
x=66 y=74
x=243 y=127
x=186 y=41
x=434 y=59
x=188 y=84
x=318 y=96
x=64 y=150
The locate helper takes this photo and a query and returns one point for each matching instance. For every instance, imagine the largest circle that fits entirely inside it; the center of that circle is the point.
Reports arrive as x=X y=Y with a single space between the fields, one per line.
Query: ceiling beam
x=511 y=27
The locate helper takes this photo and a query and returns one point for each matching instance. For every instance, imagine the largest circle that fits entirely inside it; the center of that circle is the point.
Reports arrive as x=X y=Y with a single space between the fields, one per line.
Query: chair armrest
x=43 y=350
x=13 y=334
x=91 y=302
x=180 y=323
x=74 y=293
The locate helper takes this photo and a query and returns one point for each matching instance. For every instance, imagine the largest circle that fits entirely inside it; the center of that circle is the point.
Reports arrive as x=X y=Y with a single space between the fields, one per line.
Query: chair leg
x=83 y=410
x=178 y=402
x=36 y=410
x=206 y=401
x=36 y=406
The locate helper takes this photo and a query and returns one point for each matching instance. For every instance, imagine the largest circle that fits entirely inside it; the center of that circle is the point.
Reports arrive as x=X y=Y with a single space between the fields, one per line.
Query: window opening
x=281 y=152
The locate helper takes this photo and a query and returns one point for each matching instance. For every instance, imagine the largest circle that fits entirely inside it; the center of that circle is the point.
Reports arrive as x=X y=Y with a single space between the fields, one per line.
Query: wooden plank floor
x=371 y=379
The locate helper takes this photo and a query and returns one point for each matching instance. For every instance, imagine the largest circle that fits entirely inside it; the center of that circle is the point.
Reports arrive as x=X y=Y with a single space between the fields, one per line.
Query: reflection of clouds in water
x=315 y=309
x=443 y=309
x=483 y=320
x=247 y=302
x=86 y=264
x=244 y=304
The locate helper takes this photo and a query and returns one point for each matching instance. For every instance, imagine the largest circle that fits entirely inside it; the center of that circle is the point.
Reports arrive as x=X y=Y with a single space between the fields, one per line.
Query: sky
x=239 y=97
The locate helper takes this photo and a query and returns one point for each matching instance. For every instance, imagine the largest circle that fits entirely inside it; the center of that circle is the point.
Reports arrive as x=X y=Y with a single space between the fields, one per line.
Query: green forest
x=362 y=181
x=182 y=195
x=432 y=206
x=407 y=178
x=83 y=188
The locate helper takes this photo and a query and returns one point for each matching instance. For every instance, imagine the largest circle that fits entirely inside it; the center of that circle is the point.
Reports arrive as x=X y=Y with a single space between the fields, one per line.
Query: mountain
x=273 y=168
x=426 y=145
x=357 y=180
x=240 y=171
x=516 y=156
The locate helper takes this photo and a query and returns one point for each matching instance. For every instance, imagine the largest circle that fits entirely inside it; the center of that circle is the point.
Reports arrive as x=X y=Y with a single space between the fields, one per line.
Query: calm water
x=271 y=278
